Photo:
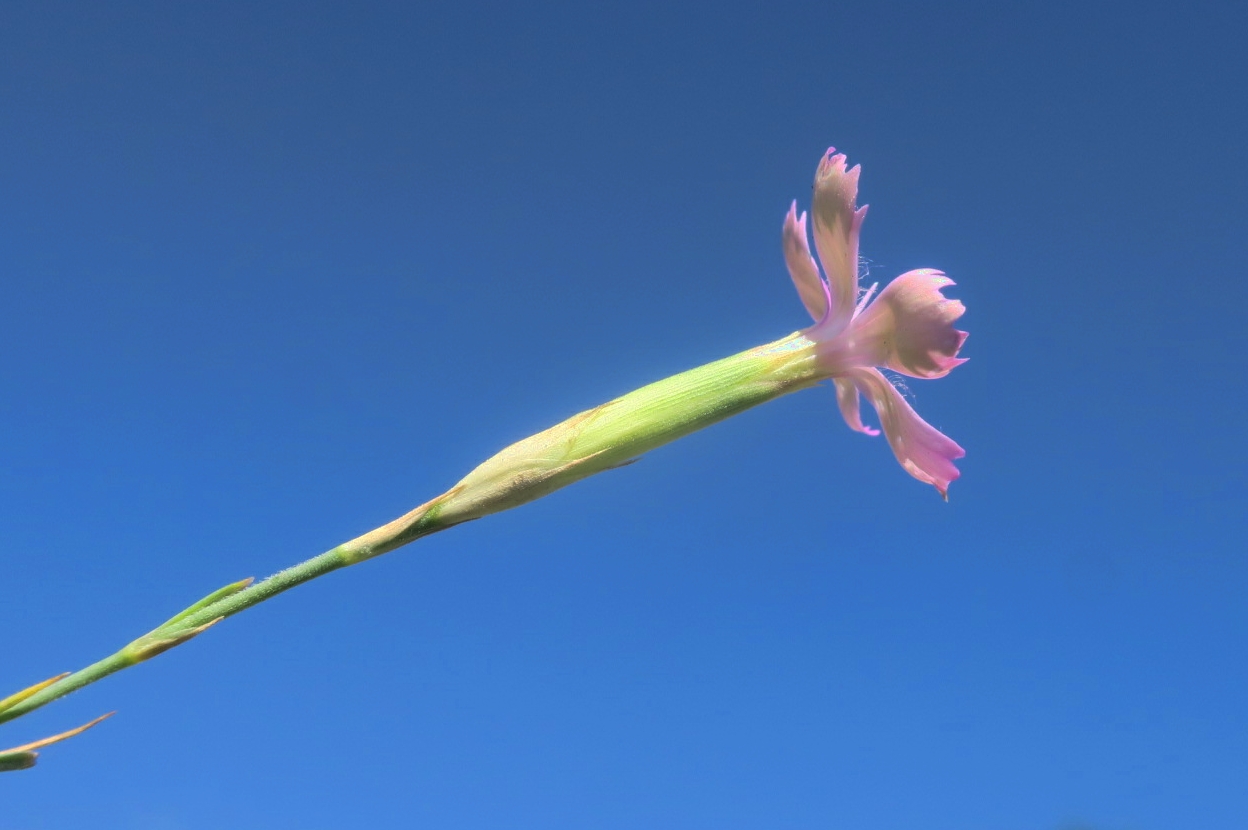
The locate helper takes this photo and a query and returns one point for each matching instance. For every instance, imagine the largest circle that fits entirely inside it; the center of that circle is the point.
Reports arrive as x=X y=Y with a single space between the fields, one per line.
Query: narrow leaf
x=23 y=757
x=14 y=699
x=220 y=594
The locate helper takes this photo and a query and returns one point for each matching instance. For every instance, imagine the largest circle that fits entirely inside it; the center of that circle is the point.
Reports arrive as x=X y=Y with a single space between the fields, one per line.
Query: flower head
x=907 y=329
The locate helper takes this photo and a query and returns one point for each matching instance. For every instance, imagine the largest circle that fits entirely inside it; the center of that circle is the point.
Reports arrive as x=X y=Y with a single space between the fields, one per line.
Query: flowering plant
x=907 y=328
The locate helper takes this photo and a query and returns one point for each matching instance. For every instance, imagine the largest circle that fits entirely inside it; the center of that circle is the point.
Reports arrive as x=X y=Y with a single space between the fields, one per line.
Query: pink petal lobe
x=847 y=398
x=909 y=327
x=837 y=221
x=802 y=266
x=923 y=450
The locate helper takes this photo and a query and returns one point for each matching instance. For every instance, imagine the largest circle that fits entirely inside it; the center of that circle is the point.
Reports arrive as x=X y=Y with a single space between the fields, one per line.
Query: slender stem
x=587 y=443
x=407 y=528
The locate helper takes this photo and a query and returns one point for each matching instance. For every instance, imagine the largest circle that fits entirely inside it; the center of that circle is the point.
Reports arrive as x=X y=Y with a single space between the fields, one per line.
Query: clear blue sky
x=271 y=274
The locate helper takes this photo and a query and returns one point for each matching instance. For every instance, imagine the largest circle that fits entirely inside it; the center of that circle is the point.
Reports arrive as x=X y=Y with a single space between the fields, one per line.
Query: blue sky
x=272 y=274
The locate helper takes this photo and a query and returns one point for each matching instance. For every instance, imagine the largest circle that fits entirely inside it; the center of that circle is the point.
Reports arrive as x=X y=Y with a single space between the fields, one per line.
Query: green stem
x=590 y=442
x=420 y=522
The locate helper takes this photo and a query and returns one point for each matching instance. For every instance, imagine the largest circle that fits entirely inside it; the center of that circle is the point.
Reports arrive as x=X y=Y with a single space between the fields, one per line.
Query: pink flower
x=907 y=329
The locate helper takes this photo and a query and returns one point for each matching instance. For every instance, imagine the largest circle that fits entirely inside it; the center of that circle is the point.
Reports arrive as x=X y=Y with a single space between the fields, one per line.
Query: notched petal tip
x=922 y=450
x=910 y=325
x=834 y=173
x=837 y=220
x=837 y=164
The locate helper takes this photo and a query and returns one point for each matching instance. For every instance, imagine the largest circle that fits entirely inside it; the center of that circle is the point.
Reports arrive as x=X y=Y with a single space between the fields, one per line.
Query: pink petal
x=923 y=450
x=909 y=327
x=802 y=266
x=847 y=398
x=836 y=221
